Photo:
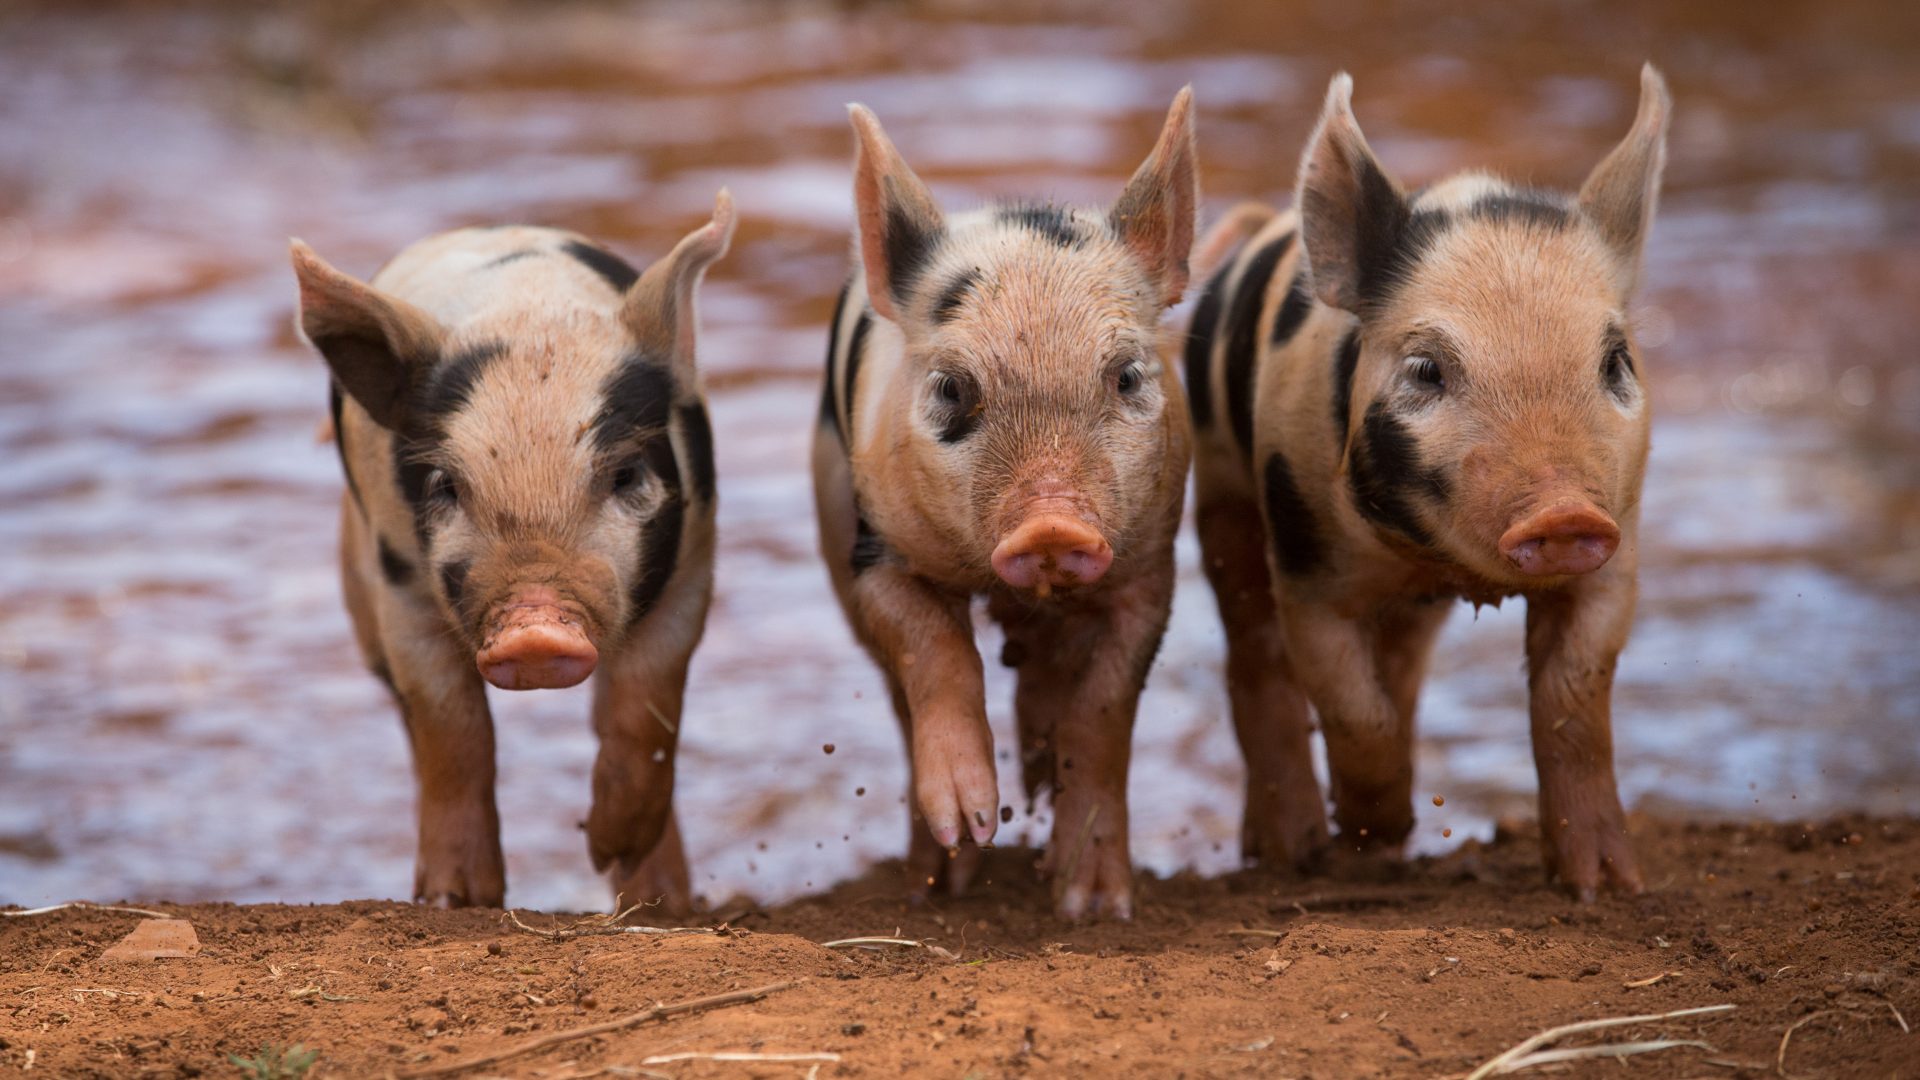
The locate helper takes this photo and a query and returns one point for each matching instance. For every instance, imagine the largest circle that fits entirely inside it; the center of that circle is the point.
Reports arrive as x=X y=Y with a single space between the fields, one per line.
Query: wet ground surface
x=182 y=714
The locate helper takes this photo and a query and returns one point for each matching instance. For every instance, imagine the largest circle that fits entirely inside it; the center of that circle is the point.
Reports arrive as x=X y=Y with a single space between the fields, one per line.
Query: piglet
x=996 y=421
x=529 y=503
x=1400 y=400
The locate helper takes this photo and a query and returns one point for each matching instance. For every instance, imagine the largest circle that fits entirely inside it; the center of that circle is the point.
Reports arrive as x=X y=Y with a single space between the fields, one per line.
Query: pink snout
x=1052 y=549
x=536 y=646
x=1571 y=536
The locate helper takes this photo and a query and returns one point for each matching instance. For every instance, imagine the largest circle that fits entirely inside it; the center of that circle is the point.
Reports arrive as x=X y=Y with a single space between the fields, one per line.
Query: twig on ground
x=730 y=1055
x=1650 y=980
x=876 y=942
x=1904 y=1029
x=86 y=906
x=1518 y=1057
x=603 y=926
x=1604 y=1050
x=1254 y=931
x=620 y=1023
x=1780 y=1058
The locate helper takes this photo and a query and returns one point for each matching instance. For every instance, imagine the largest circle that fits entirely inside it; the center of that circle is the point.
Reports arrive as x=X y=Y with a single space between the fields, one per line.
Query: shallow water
x=182 y=714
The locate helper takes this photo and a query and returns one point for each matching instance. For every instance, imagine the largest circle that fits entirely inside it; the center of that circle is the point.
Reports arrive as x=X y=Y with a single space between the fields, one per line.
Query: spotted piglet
x=1421 y=398
x=996 y=420
x=530 y=500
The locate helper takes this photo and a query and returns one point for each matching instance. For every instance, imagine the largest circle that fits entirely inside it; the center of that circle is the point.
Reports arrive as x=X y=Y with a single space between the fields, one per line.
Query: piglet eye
x=441 y=488
x=1131 y=379
x=624 y=478
x=1615 y=368
x=1425 y=373
x=948 y=389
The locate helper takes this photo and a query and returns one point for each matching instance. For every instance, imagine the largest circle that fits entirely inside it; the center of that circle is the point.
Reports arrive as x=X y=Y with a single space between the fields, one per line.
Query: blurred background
x=182 y=713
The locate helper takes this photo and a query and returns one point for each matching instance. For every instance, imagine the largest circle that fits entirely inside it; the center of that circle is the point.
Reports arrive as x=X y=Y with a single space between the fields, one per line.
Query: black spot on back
x=512 y=256
x=909 y=245
x=1345 y=359
x=698 y=432
x=1297 y=544
x=868 y=548
x=1199 y=355
x=1386 y=475
x=1053 y=222
x=1243 y=336
x=947 y=307
x=637 y=398
x=453 y=581
x=829 y=416
x=1293 y=310
x=612 y=269
x=450 y=387
x=855 y=343
x=336 y=404
x=395 y=569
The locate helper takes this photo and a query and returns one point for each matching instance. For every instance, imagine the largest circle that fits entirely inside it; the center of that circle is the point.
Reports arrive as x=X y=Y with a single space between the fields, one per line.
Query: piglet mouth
x=534 y=642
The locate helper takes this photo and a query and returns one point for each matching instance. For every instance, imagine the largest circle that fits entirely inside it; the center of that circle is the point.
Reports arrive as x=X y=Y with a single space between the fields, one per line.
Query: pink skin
x=1571 y=536
x=1052 y=549
x=535 y=643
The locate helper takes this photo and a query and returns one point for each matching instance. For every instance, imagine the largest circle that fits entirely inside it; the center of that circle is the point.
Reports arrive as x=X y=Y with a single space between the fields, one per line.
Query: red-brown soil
x=1421 y=970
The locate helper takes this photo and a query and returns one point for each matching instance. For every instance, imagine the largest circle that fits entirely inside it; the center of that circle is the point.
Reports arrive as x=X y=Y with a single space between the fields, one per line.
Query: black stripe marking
x=855 y=344
x=660 y=535
x=1345 y=360
x=1386 y=475
x=828 y=415
x=451 y=385
x=1527 y=206
x=410 y=472
x=1200 y=334
x=612 y=269
x=1293 y=310
x=909 y=248
x=1243 y=336
x=1055 y=223
x=336 y=405
x=1297 y=545
x=947 y=307
x=638 y=398
x=511 y=257
x=453 y=582
x=395 y=569
x=868 y=548
x=697 y=430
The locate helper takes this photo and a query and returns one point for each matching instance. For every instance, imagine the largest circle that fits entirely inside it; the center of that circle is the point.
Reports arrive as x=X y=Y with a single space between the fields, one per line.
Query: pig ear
x=1351 y=211
x=375 y=344
x=660 y=307
x=899 y=224
x=1619 y=196
x=1155 y=214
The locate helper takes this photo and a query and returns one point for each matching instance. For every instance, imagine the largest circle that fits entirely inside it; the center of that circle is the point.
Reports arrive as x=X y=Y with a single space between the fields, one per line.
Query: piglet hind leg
x=1573 y=641
x=1085 y=666
x=1285 y=824
x=631 y=832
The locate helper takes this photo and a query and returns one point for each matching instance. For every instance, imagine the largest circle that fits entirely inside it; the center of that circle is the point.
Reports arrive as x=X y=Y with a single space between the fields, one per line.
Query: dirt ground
x=1425 y=969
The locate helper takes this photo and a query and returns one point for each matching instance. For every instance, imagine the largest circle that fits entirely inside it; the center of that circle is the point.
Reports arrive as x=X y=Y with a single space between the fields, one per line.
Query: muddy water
x=181 y=711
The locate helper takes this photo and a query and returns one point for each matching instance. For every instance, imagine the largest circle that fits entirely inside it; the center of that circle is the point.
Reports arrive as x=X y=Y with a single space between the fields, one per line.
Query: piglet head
x=1038 y=433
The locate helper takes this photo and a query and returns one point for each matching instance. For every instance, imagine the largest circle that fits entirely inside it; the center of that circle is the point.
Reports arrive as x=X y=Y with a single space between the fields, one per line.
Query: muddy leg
x=1573 y=641
x=1369 y=741
x=444 y=704
x=636 y=714
x=1286 y=819
x=1086 y=669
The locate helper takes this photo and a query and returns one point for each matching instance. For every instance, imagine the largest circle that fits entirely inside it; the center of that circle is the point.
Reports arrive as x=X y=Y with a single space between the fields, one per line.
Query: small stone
x=855 y=1028
x=827 y=748
x=494 y=948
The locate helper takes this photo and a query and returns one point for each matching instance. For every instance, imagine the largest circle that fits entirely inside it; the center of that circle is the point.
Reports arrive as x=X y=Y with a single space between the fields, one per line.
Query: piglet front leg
x=630 y=830
x=1574 y=637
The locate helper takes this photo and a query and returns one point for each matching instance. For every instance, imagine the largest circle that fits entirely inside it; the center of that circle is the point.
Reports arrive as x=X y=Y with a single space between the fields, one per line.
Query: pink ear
x=1154 y=216
x=375 y=344
x=1620 y=195
x=1351 y=211
x=660 y=308
x=899 y=224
